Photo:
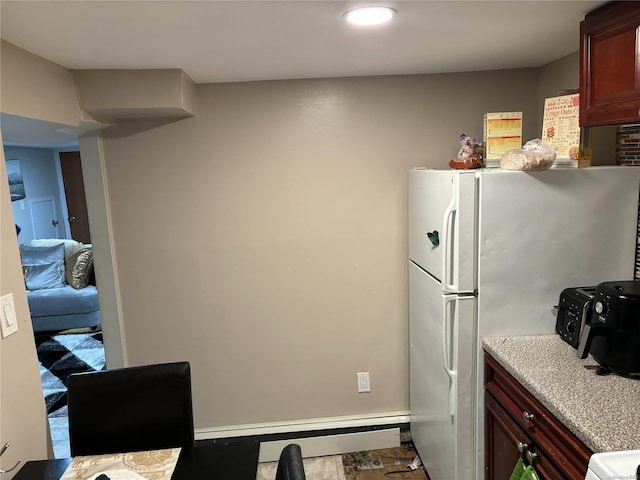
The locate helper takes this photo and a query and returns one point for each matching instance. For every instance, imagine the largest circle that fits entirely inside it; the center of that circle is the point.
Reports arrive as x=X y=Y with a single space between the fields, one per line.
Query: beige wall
x=23 y=417
x=264 y=239
x=559 y=76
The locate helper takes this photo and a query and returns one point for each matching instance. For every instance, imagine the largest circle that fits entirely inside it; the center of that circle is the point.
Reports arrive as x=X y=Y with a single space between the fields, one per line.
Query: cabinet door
x=503 y=435
x=610 y=66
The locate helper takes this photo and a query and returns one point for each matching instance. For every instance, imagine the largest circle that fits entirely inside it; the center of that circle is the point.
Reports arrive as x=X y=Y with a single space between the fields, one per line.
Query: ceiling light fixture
x=367 y=16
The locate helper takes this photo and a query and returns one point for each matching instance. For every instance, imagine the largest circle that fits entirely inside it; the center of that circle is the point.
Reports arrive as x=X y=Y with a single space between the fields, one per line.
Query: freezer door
x=442 y=226
x=441 y=377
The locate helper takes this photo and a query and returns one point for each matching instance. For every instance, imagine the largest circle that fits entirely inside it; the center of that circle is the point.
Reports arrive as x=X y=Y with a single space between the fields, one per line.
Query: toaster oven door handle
x=588 y=333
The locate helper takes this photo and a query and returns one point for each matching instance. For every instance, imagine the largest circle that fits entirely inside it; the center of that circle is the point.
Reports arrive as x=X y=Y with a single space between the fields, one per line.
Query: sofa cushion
x=32 y=255
x=46 y=275
x=79 y=268
x=62 y=301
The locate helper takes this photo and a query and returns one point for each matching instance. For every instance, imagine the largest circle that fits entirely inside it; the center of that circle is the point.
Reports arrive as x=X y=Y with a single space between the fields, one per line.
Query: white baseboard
x=333 y=444
x=319 y=445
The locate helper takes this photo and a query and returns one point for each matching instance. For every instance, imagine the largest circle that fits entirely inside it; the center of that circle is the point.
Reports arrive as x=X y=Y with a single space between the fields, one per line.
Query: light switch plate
x=8 y=320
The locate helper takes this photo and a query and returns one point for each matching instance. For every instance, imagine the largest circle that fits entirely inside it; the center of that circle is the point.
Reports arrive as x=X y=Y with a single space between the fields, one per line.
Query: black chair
x=130 y=409
x=290 y=466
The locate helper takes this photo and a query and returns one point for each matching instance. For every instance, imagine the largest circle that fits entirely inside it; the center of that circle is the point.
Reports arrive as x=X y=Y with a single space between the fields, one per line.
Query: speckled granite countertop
x=602 y=411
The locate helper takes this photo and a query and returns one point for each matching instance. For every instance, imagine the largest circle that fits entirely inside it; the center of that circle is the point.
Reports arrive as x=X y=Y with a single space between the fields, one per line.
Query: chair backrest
x=130 y=409
x=290 y=466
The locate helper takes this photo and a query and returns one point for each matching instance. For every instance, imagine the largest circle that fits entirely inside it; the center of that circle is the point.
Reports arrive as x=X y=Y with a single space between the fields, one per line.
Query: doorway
x=66 y=338
x=40 y=135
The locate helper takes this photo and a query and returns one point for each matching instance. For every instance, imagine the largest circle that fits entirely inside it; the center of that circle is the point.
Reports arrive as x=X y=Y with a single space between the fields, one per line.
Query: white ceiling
x=223 y=41
x=241 y=40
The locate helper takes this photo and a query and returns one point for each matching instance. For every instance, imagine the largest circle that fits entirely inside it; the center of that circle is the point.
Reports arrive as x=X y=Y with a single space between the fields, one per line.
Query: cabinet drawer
x=567 y=452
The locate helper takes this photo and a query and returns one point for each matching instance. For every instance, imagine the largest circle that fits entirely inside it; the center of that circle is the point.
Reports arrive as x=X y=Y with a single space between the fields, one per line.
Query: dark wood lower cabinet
x=504 y=435
x=513 y=417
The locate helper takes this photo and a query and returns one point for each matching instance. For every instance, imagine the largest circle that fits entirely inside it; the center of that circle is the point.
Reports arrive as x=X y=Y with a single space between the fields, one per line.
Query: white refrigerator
x=489 y=253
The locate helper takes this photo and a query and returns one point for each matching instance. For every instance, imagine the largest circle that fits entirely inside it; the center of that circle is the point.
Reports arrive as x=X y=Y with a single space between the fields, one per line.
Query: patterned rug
x=62 y=355
x=383 y=464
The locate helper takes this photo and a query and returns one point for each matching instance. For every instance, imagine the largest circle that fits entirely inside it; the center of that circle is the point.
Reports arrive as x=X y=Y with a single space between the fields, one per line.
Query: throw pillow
x=31 y=255
x=70 y=245
x=79 y=268
x=43 y=276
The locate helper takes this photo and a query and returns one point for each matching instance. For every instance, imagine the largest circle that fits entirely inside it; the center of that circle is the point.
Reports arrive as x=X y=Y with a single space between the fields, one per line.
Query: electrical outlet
x=364 y=385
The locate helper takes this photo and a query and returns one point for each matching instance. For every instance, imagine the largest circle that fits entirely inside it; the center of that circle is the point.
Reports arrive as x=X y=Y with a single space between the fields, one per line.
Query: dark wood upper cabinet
x=610 y=65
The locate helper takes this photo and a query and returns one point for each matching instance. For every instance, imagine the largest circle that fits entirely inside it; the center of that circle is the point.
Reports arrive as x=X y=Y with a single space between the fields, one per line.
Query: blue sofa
x=60 y=285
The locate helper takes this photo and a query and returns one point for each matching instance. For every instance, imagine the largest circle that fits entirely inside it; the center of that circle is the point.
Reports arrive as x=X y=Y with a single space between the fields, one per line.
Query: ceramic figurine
x=470 y=154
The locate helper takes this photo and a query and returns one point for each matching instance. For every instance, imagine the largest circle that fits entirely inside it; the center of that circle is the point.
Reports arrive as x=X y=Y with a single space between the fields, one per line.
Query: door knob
x=54 y=222
x=72 y=219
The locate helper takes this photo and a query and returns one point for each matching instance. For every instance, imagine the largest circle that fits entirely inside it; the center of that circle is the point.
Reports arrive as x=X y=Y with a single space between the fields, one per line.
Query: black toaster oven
x=574 y=309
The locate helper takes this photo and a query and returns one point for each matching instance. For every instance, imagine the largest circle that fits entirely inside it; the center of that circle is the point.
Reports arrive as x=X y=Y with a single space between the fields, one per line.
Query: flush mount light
x=368 y=16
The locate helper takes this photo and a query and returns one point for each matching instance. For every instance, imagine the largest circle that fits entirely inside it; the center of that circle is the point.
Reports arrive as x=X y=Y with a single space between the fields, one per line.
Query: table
x=233 y=461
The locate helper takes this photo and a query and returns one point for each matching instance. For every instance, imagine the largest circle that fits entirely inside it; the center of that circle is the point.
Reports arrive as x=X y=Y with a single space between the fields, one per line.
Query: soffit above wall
x=110 y=95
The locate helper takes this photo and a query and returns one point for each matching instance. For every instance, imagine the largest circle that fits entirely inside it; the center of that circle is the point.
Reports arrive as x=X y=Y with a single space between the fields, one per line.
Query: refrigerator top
x=497 y=170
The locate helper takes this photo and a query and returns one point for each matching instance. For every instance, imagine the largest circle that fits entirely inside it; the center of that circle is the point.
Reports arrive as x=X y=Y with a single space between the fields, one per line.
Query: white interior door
x=43 y=216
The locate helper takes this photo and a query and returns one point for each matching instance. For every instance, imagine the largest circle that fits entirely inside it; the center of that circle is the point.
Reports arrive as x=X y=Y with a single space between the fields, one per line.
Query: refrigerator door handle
x=448 y=222
x=449 y=348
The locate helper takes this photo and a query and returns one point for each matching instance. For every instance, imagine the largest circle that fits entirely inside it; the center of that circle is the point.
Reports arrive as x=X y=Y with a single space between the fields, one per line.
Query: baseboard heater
x=316 y=437
x=333 y=444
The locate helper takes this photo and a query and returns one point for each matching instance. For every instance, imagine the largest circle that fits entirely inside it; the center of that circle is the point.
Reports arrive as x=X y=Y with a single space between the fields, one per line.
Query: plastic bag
x=533 y=155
